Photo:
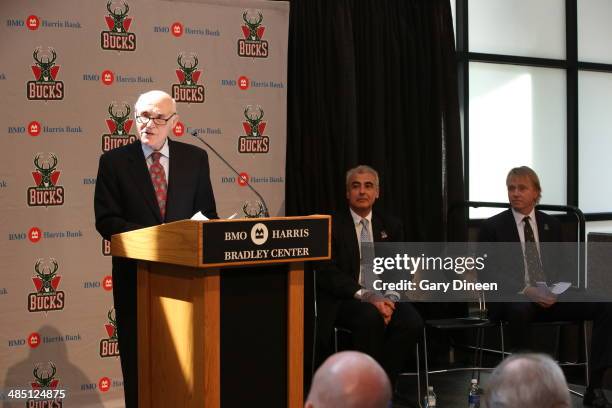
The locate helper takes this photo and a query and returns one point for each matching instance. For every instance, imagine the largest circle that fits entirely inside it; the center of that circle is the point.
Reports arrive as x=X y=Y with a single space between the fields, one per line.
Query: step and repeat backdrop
x=70 y=73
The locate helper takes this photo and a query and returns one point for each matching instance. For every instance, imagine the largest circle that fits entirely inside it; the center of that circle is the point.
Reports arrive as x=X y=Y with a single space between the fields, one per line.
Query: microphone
x=263 y=202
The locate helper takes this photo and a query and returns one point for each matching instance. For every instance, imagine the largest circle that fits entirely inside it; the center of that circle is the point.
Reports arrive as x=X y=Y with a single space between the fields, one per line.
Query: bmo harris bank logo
x=254 y=141
x=119 y=126
x=46 y=192
x=259 y=233
x=252 y=44
x=47 y=296
x=45 y=87
x=118 y=37
x=188 y=90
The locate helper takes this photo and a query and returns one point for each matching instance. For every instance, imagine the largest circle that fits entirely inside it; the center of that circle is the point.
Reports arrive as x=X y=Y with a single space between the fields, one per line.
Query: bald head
x=349 y=379
x=527 y=381
x=160 y=100
x=155 y=116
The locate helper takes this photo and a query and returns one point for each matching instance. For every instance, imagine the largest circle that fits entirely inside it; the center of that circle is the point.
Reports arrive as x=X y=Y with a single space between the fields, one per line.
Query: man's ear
x=174 y=120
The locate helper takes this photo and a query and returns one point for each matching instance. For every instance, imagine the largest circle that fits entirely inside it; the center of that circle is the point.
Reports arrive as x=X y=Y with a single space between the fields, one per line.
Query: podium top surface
x=236 y=242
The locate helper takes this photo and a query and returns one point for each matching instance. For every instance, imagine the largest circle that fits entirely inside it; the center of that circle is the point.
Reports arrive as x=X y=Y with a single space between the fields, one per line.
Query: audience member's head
x=349 y=379
x=527 y=381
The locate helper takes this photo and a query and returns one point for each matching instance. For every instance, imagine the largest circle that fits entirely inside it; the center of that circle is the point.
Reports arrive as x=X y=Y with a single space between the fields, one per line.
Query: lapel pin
x=545 y=227
x=383 y=235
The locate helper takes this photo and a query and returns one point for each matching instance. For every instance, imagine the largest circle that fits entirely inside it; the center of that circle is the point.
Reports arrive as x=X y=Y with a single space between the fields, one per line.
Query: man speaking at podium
x=149 y=182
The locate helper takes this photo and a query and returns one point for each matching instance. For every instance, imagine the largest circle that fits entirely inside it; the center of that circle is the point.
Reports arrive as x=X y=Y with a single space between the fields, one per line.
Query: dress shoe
x=595 y=397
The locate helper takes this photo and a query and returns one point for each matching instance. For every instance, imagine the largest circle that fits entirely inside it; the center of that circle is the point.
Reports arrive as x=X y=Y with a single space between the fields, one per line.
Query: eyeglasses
x=158 y=121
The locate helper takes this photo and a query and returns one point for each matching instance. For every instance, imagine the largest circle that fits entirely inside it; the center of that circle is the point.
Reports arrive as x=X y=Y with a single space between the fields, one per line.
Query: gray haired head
x=527 y=381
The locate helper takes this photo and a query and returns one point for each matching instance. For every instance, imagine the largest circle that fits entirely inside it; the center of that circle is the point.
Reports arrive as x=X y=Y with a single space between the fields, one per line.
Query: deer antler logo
x=253 y=30
x=251 y=212
x=47 y=280
x=45 y=378
x=254 y=126
x=120 y=125
x=45 y=176
x=118 y=15
x=188 y=74
x=111 y=329
x=45 y=69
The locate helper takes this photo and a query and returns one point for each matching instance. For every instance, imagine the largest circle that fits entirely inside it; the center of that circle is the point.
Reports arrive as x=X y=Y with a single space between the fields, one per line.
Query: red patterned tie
x=158 y=177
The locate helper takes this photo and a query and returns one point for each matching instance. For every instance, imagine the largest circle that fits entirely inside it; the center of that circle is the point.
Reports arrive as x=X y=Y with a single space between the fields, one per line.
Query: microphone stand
x=263 y=202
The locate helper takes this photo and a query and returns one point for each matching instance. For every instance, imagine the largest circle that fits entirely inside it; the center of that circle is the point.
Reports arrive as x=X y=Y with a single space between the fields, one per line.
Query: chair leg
x=426 y=358
x=557 y=343
x=418 y=374
x=501 y=334
x=335 y=339
x=586 y=354
x=481 y=351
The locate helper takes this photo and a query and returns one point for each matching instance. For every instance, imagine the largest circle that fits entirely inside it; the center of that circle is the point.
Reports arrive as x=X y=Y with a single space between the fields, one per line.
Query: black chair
x=573 y=230
x=341 y=331
x=477 y=323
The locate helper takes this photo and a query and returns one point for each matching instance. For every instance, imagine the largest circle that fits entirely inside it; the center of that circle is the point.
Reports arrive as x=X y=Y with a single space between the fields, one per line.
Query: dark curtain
x=373 y=82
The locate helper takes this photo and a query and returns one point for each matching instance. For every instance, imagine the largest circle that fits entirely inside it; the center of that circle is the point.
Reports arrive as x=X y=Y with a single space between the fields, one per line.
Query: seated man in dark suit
x=522 y=223
x=385 y=329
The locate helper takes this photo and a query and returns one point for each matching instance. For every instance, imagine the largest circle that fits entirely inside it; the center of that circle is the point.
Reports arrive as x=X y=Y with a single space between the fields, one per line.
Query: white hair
x=154 y=96
x=527 y=381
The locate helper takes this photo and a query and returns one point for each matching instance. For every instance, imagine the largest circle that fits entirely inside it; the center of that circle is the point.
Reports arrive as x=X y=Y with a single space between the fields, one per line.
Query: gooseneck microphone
x=194 y=133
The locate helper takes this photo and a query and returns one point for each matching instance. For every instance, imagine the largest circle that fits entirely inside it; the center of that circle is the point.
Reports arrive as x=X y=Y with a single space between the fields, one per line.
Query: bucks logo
x=252 y=45
x=254 y=127
x=45 y=388
x=119 y=127
x=109 y=347
x=118 y=37
x=46 y=192
x=251 y=210
x=47 y=297
x=188 y=90
x=45 y=87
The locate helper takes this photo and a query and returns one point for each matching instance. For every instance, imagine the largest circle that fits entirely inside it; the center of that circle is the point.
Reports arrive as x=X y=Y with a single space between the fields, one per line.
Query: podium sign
x=264 y=241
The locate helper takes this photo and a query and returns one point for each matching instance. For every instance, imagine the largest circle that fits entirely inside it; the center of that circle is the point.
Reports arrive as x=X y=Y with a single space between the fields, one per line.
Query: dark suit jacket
x=507 y=267
x=337 y=279
x=125 y=200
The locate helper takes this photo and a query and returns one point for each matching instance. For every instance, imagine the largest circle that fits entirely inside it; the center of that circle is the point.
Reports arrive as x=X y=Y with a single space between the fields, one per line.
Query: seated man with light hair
x=349 y=379
x=527 y=381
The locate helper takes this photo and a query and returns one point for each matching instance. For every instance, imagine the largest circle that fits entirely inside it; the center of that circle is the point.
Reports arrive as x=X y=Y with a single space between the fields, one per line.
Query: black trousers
x=389 y=345
x=124 y=296
x=520 y=315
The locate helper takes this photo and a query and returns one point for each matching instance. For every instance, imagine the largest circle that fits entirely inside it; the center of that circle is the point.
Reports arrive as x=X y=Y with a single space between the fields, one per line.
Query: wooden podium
x=182 y=308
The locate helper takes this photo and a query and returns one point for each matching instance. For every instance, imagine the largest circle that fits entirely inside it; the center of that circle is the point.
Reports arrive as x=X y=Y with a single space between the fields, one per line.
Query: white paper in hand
x=556 y=288
x=560 y=287
x=199 y=217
